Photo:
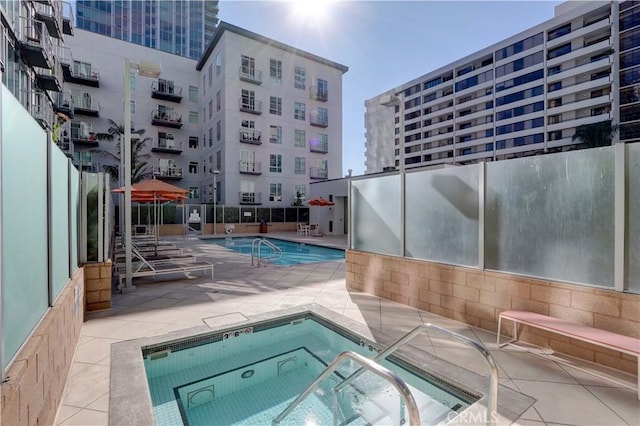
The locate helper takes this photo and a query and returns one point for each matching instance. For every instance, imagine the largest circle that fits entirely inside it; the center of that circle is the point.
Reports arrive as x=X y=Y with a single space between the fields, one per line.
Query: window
x=559 y=32
x=559 y=51
x=132 y=81
x=300 y=78
x=275 y=70
x=248 y=66
x=323 y=89
x=194 y=192
x=193 y=116
x=519 y=64
x=218 y=101
x=300 y=166
x=520 y=46
x=248 y=99
x=166 y=140
x=210 y=109
x=275 y=134
x=210 y=72
x=299 y=111
x=275 y=163
x=204 y=84
x=300 y=138
x=300 y=191
x=323 y=116
x=193 y=167
x=193 y=94
x=275 y=105
x=210 y=136
x=275 y=192
x=193 y=142
x=218 y=64
x=218 y=131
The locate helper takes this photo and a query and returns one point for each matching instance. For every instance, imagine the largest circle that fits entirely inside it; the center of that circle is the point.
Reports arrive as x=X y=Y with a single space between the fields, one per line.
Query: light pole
x=145 y=69
x=215 y=198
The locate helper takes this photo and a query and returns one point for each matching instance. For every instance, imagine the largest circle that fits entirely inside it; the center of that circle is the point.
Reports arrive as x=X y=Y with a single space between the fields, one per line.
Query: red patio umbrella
x=320 y=202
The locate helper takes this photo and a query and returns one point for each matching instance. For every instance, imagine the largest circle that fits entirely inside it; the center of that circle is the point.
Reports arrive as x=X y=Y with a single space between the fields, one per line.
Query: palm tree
x=115 y=132
x=595 y=134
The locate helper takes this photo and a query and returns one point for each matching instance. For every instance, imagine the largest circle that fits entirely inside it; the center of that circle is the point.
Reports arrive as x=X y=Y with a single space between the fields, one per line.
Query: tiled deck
x=565 y=396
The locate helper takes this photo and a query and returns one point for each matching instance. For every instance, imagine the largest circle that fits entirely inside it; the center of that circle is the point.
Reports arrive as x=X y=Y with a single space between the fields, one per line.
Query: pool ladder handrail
x=493 y=381
x=368 y=364
x=276 y=251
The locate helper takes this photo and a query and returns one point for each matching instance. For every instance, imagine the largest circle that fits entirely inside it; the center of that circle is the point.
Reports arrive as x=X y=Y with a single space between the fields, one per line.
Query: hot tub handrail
x=366 y=363
x=493 y=381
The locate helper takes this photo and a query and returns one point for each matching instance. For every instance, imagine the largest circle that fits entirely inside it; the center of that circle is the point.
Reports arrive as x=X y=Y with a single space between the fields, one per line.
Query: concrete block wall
x=36 y=379
x=98 y=285
x=477 y=297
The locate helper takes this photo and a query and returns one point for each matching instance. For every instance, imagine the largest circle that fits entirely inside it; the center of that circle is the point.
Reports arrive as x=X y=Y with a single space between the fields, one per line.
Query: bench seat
x=617 y=342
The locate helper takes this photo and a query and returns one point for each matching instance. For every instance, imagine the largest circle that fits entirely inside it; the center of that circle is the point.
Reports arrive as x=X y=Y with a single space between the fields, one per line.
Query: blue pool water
x=293 y=253
x=249 y=375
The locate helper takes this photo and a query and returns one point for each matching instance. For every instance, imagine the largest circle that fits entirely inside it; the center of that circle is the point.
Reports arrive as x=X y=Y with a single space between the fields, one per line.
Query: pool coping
x=130 y=400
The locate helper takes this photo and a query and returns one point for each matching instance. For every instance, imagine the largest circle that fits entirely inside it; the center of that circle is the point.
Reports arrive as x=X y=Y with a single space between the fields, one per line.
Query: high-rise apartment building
x=176 y=26
x=525 y=95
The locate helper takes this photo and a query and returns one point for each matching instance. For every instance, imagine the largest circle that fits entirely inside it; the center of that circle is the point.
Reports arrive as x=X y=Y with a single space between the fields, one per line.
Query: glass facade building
x=180 y=27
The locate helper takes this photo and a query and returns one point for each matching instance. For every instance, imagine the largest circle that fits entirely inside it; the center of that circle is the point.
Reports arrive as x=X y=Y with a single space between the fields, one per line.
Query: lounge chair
x=314 y=230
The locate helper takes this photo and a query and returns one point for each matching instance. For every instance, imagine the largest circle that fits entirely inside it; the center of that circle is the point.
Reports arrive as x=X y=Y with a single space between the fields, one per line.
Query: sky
x=384 y=43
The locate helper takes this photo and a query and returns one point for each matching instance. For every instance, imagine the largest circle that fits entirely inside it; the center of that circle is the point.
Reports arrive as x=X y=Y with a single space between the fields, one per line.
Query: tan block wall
x=36 y=379
x=97 y=278
x=477 y=297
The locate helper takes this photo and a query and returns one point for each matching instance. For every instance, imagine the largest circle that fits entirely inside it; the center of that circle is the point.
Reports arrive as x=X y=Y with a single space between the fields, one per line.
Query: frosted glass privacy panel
x=60 y=219
x=375 y=215
x=73 y=215
x=25 y=287
x=633 y=217
x=442 y=215
x=551 y=216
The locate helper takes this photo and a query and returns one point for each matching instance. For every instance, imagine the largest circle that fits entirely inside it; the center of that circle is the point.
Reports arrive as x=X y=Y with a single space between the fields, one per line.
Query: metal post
x=215 y=198
x=126 y=153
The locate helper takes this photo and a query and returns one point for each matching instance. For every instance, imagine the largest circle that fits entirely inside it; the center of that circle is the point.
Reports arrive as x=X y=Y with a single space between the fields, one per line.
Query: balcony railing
x=172 y=173
x=250 y=198
x=319 y=120
x=87 y=76
x=317 y=173
x=166 y=119
x=67 y=18
x=318 y=94
x=83 y=135
x=49 y=78
x=40 y=108
x=251 y=136
x=166 y=91
x=251 y=167
x=87 y=105
x=250 y=75
x=251 y=106
x=35 y=44
x=318 y=146
x=84 y=162
x=51 y=15
x=169 y=146
x=63 y=104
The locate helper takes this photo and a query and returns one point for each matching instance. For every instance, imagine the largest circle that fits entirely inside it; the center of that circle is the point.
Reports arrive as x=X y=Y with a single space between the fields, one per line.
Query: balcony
x=250 y=75
x=166 y=91
x=318 y=94
x=250 y=168
x=35 y=45
x=168 y=146
x=67 y=18
x=63 y=104
x=251 y=106
x=250 y=198
x=80 y=75
x=40 y=108
x=166 y=119
x=83 y=136
x=168 y=173
x=84 y=162
x=318 y=120
x=251 y=136
x=86 y=105
x=50 y=14
x=318 y=146
x=49 y=79
x=317 y=173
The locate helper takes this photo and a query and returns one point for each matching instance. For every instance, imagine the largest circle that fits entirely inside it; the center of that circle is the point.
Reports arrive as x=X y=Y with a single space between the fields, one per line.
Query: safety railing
x=368 y=364
x=256 y=244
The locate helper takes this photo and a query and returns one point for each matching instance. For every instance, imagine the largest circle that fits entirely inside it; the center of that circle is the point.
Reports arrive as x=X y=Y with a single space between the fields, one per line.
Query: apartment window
x=300 y=191
x=166 y=140
x=210 y=109
x=193 y=116
x=323 y=141
x=218 y=101
x=559 y=51
x=275 y=70
x=218 y=131
x=193 y=94
x=166 y=86
x=248 y=65
x=275 y=192
x=299 y=111
x=218 y=160
x=323 y=116
x=520 y=46
x=248 y=99
x=275 y=163
x=193 y=167
x=204 y=84
x=275 y=105
x=210 y=136
x=194 y=192
x=218 y=64
x=275 y=134
x=210 y=72
x=555 y=86
x=300 y=78
x=194 y=142
x=559 y=32
x=132 y=81
x=523 y=79
x=519 y=64
x=300 y=138
x=300 y=166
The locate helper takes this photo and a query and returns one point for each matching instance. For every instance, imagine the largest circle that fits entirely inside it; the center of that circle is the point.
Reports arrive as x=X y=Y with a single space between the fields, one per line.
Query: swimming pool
x=293 y=253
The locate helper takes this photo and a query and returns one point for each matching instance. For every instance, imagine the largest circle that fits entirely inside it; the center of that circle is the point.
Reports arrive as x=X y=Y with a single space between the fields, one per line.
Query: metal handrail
x=391 y=377
x=493 y=382
x=276 y=250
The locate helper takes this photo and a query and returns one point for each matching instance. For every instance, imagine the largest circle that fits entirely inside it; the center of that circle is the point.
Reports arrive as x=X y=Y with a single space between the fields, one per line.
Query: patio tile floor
x=565 y=396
